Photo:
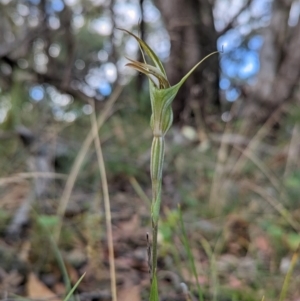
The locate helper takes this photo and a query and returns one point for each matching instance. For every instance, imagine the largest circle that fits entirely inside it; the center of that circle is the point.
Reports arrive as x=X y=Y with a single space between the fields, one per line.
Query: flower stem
x=156 y=166
x=154 y=250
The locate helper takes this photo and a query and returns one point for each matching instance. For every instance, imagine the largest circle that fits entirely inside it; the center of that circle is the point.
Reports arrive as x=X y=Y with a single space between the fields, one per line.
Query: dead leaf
x=263 y=245
x=130 y=226
x=131 y=293
x=189 y=277
x=14 y=196
x=10 y=281
x=235 y=282
x=59 y=288
x=237 y=237
x=37 y=289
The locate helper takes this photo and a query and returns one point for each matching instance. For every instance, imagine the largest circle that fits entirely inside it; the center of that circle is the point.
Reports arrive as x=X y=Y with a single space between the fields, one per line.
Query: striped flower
x=161 y=96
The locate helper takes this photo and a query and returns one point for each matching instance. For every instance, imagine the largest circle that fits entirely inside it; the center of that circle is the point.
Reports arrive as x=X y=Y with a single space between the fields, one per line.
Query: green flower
x=161 y=96
x=161 y=93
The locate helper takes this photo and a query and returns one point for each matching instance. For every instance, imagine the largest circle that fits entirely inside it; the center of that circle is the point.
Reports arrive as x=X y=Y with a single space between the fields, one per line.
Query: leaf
x=48 y=221
x=154 y=289
x=193 y=69
x=190 y=255
x=36 y=289
x=131 y=293
x=275 y=231
x=293 y=240
x=53 y=219
x=74 y=288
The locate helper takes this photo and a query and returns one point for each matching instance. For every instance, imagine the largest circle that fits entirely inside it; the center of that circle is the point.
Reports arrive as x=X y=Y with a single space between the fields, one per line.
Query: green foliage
x=48 y=225
x=282 y=236
x=48 y=222
x=161 y=97
x=168 y=225
x=190 y=255
x=292 y=186
x=17 y=98
x=293 y=240
x=71 y=292
x=92 y=42
x=239 y=295
x=4 y=218
x=294 y=115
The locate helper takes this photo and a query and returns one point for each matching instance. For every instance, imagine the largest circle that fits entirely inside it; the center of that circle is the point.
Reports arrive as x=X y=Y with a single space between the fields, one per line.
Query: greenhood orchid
x=161 y=95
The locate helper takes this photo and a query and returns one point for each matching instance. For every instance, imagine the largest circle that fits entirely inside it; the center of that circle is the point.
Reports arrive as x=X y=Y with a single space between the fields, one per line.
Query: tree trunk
x=279 y=66
x=191 y=28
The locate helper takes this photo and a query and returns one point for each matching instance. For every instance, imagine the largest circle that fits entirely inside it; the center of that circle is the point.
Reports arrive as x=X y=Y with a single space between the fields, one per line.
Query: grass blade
x=190 y=255
x=73 y=288
x=102 y=170
x=289 y=274
x=56 y=251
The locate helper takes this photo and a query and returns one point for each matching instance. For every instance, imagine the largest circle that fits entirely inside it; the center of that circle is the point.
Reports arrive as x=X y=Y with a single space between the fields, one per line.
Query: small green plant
x=161 y=95
x=71 y=292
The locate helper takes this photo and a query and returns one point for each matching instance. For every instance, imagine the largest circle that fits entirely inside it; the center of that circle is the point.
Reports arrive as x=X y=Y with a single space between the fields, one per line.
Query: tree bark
x=279 y=66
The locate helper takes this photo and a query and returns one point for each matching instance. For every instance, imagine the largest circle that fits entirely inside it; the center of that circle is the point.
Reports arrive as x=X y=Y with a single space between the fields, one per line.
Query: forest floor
x=242 y=226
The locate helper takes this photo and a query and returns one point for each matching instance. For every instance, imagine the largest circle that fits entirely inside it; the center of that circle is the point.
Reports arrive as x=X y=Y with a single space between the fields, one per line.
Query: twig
x=275 y=204
x=234 y=18
x=262 y=167
x=20 y=177
x=80 y=157
x=289 y=274
x=292 y=156
x=106 y=205
x=253 y=144
x=138 y=189
x=219 y=170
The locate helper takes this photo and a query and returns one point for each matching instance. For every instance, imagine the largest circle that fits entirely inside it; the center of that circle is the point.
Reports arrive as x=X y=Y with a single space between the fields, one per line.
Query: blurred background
x=232 y=156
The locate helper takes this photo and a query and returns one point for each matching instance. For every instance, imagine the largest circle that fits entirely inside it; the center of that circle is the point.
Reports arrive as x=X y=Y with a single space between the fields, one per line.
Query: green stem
x=154 y=250
x=156 y=165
